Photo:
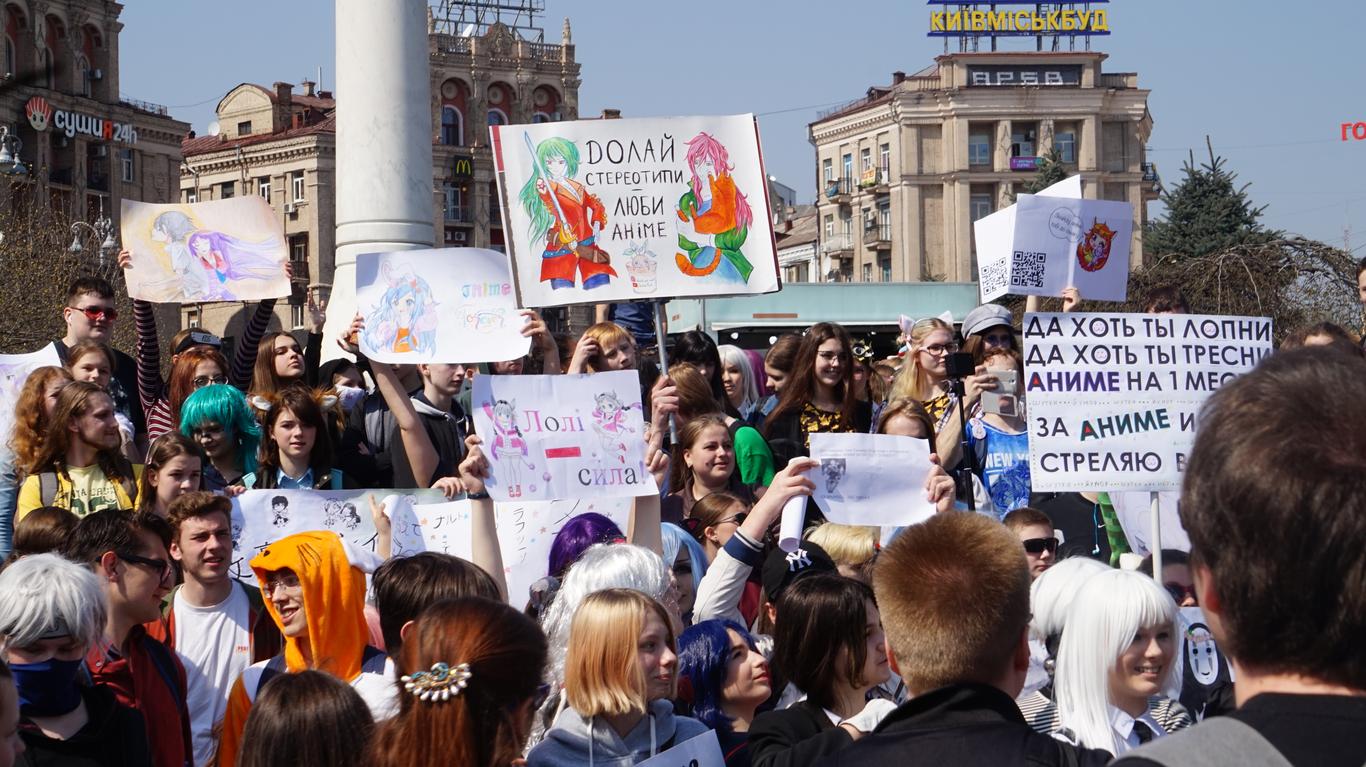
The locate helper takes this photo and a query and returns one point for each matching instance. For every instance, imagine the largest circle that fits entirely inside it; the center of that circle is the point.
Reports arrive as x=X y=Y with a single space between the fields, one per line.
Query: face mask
x=349 y=396
x=47 y=688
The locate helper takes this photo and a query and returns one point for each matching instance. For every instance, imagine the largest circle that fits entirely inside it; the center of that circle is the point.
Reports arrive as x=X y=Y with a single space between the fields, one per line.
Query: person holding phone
x=998 y=434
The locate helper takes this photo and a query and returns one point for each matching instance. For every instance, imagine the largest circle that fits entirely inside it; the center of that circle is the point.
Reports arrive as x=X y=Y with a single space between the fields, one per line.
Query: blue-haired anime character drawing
x=404 y=319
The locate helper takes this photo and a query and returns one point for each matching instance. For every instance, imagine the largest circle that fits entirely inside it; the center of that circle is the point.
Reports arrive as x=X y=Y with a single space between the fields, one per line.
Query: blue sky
x=1270 y=83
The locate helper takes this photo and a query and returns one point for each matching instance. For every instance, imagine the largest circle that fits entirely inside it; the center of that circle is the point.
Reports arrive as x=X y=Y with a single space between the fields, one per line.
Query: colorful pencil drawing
x=642 y=266
x=1094 y=249
x=718 y=213
x=224 y=257
x=609 y=421
x=509 y=445
x=568 y=218
x=404 y=319
x=482 y=320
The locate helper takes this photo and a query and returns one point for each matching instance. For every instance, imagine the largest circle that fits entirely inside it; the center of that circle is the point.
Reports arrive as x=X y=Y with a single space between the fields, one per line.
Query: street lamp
x=10 y=164
x=103 y=230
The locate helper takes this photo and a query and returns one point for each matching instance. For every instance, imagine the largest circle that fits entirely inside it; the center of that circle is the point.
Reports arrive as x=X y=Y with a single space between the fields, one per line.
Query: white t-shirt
x=214 y=644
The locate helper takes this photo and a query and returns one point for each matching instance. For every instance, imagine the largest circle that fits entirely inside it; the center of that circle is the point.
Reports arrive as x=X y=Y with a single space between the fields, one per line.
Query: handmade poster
x=220 y=250
x=1054 y=240
x=567 y=436
x=526 y=531
x=1113 y=398
x=447 y=305
x=700 y=751
x=623 y=210
x=14 y=371
x=863 y=479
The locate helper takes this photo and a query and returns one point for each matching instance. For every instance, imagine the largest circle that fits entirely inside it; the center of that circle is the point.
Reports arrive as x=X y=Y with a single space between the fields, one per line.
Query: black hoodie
x=114 y=736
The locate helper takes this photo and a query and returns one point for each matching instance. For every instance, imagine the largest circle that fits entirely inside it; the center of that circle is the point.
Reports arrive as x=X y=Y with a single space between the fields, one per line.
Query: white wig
x=1051 y=594
x=44 y=595
x=604 y=566
x=1108 y=611
x=735 y=357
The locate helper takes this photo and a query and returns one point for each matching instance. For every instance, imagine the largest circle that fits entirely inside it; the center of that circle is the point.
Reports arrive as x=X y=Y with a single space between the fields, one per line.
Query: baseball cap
x=986 y=316
x=782 y=568
x=198 y=338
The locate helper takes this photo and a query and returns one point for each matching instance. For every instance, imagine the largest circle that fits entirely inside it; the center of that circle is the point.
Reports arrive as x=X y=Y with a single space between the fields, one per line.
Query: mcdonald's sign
x=462 y=167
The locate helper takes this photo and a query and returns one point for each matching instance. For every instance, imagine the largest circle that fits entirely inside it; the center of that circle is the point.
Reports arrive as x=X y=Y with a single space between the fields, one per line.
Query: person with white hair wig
x=52 y=611
x=1118 y=664
x=738 y=381
x=1050 y=596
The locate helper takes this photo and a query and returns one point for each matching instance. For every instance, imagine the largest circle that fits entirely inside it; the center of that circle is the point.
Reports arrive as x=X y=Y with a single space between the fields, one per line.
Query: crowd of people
x=1012 y=627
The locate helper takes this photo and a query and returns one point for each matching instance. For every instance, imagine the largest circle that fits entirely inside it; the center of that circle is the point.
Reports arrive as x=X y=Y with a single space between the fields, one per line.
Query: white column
x=384 y=142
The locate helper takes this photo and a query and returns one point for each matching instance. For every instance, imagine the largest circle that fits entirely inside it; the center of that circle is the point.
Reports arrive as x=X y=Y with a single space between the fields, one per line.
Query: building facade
x=84 y=148
x=282 y=145
x=903 y=172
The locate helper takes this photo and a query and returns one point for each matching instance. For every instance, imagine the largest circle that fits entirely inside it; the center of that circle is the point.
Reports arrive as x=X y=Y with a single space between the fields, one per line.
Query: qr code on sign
x=1026 y=269
x=993 y=276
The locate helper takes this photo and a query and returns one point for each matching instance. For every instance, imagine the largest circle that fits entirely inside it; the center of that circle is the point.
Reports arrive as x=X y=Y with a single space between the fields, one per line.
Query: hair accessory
x=327 y=401
x=261 y=403
x=441 y=683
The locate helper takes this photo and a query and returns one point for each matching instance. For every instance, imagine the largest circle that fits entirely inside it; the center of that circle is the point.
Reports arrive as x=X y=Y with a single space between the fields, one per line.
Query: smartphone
x=959 y=365
x=1003 y=400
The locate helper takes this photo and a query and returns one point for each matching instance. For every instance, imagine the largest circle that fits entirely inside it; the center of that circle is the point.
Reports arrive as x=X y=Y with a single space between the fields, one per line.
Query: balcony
x=301 y=271
x=838 y=190
x=878 y=236
x=837 y=245
x=873 y=180
x=458 y=214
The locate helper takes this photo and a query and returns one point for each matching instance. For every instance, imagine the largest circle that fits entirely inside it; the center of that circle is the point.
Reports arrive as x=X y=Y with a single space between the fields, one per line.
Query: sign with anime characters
x=622 y=210
x=221 y=250
x=1054 y=240
x=448 y=305
x=567 y=436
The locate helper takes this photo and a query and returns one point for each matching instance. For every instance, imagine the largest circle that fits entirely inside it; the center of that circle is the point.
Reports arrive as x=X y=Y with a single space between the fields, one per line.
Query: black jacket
x=963 y=724
x=795 y=737
x=114 y=737
x=447 y=430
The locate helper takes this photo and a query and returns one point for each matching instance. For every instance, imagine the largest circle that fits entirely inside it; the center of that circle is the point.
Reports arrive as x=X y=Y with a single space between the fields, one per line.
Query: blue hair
x=225 y=405
x=675 y=538
x=703 y=653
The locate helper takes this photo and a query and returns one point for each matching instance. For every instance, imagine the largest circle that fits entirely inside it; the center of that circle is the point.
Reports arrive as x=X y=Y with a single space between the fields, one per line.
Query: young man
x=444 y=420
x=954 y=597
x=314 y=584
x=128 y=554
x=217 y=625
x=1035 y=531
x=403 y=586
x=1274 y=500
x=80 y=467
x=367 y=442
x=89 y=315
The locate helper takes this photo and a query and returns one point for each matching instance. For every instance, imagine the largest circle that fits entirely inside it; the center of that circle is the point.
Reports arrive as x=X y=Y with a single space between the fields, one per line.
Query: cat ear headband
x=264 y=402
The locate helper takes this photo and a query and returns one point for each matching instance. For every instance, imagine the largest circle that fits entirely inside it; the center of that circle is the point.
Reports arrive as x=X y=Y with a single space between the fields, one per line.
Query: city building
x=282 y=145
x=83 y=147
x=798 y=239
x=904 y=171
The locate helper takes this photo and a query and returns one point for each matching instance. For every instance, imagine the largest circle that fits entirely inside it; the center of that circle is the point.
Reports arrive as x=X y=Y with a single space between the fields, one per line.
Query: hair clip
x=261 y=403
x=441 y=683
x=327 y=401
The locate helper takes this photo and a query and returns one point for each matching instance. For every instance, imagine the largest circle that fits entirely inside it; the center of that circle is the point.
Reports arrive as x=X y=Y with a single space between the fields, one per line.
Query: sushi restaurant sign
x=41 y=115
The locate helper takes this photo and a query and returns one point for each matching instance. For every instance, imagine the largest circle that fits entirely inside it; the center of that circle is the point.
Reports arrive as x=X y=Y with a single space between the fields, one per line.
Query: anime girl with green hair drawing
x=567 y=216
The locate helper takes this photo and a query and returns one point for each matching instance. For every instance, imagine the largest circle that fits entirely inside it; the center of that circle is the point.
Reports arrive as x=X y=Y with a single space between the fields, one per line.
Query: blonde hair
x=602 y=672
x=608 y=335
x=848 y=545
x=912 y=381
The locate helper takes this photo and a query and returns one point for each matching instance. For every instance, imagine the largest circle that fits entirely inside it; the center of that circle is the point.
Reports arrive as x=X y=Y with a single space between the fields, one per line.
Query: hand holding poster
x=1112 y=398
x=620 y=210
x=566 y=436
x=221 y=250
x=448 y=305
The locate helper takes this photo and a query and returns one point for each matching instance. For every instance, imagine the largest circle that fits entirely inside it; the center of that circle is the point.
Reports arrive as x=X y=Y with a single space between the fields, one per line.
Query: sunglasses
x=694 y=525
x=202 y=381
x=97 y=313
x=160 y=566
x=1040 y=545
x=1179 y=592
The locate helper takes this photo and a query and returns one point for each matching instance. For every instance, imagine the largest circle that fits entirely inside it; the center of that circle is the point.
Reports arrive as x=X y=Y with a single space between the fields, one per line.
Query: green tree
x=1049 y=171
x=1207 y=212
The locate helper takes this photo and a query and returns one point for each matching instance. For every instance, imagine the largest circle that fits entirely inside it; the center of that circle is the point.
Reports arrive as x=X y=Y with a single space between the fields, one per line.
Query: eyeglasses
x=940 y=350
x=1040 y=545
x=1001 y=339
x=201 y=381
x=694 y=524
x=161 y=567
x=97 y=313
x=1179 y=592
x=288 y=581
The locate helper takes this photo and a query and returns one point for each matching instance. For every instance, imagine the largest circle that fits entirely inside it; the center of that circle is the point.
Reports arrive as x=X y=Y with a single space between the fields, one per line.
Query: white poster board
x=447 y=305
x=14 y=371
x=621 y=210
x=565 y=436
x=1113 y=398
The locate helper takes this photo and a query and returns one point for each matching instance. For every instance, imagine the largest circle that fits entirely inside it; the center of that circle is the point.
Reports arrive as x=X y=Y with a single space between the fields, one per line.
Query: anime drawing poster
x=447 y=305
x=567 y=436
x=14 y=371
x=221 y=250
x=622 y=210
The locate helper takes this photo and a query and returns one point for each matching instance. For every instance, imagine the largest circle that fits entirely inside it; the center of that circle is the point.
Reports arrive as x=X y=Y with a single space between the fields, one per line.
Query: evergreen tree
x=1206 y=213
x=1050 y=171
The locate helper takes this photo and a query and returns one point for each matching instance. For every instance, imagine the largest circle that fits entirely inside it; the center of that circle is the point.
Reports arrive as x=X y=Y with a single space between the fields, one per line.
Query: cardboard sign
x=221 y=250
x=1112 y=398
x=622 y=210
x=1048 y=242
x=14 y=371
x=566 y=436
x=448 y=305
x=701 y=751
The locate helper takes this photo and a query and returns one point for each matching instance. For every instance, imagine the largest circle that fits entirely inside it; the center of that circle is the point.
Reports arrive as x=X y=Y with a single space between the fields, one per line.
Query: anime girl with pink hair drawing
x=508 y=447
x=609 y=421
x=717 y=211
x=225 y=257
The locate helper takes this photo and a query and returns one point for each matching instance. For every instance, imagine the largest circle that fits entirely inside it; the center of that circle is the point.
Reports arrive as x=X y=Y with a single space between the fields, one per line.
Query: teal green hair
x=541 y=218
x=224 y=405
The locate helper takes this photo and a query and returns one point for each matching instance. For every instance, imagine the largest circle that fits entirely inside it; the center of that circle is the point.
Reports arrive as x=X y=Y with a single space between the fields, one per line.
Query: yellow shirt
x=86 y=491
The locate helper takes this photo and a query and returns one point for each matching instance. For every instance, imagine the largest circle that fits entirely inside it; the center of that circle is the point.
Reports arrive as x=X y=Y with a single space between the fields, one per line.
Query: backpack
x=48 y=484
x=1219 y=742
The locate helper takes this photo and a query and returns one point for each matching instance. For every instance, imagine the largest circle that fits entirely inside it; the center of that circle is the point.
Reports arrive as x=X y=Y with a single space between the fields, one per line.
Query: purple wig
x=577 y=535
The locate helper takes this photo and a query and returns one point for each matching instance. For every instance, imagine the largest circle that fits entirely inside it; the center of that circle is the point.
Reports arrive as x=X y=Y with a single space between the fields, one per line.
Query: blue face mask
x=48 y=688
x=350 y=396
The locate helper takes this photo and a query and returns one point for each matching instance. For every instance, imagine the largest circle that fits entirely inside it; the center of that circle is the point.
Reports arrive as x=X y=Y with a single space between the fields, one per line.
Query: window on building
x=829 y=225
x=244 y=128
x=452 y=127
x=886 y=267
x=495 y=210
x=980 y=206
x=225 y=190
x=865 y=159
x=542 y=117
x=10 y=49
x=298 y=258
x=828 y=170
x=979 y=148
x=497 y=117
x=192 y=317
x=884 y=159
x=263 y=187
x=847 y=223
x=296 y=315
x=296 y=182
x=867 y=272
x=1066 y=144
x=1023 y=140
x=191 y=195
x=453 y=202
x=126 y=165
x=83 y=75
x=1115 y=146
x=848 y=167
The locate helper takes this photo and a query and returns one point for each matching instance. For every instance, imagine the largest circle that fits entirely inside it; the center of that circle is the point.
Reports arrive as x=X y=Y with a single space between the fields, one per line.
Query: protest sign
x=566 y=436
x=701 y=751
x=14 y=371
x=447 y=305
x=220 y=250
x=526 y=531
x=622 y=210
x=1206 y=671
x=1054 y=240
x=1112 y=398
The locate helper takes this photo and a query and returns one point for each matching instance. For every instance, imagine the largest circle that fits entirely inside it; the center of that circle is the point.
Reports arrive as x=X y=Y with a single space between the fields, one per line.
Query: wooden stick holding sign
x=661 y=343
x=1156 y=520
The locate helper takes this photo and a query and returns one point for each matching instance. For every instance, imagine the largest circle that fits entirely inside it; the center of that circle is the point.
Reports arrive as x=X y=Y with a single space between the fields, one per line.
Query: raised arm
x=417 y=443
x=148 y=348
x=313 y=347
x=244 y=356
x=485 y=551
x=536 y=330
